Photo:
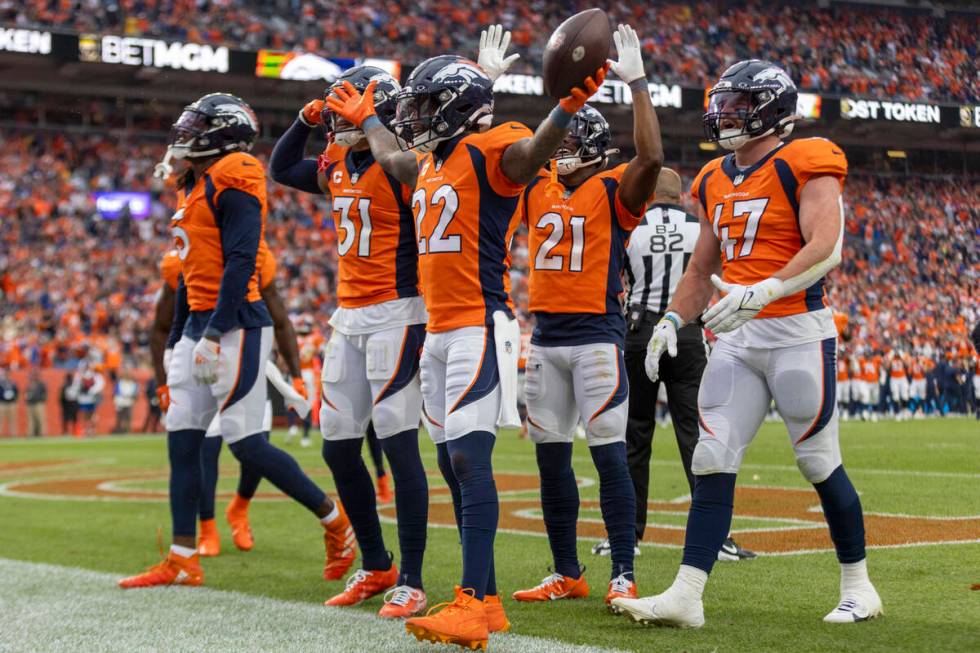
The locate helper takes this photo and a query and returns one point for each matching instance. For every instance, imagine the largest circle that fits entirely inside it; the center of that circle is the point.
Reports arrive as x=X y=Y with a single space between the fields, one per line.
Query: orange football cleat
x=462 y=622
x=174 y=570
x=620 y=587
x=555 y=588
x=403 y=602
x=364 y=584
x=237 y=515
x=208 y=542
x=497 y=621
x=341 y=546
x=385 y=495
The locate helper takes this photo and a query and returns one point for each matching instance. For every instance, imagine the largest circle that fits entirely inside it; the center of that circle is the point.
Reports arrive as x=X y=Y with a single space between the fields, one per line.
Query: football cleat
x=603 y=549
x=620 y=587
x=341 y=546
x=237 y=515
x=364 y=584
x=402 y=602
x=174 y=570
x=665 y=609
x=732 y=552
x=305 y=442
x=462 y=622
x=855 y=606
x=208 y=542
x=497 y=621
x=385 y=495
x=555 y=588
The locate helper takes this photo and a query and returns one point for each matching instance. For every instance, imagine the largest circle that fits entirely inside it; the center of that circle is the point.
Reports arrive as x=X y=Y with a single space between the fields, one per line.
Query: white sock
x=853 y=575
x=332 y=516
x=690 y=582
x=182 y=551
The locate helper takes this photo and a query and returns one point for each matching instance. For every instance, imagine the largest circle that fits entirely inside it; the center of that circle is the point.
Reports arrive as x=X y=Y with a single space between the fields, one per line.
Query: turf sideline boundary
x=53 y=608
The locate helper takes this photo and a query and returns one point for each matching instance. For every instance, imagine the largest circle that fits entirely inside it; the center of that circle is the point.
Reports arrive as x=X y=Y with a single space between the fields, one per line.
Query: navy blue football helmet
x=587 y=142
x=385 y=94
x=214 y=124
x=443 y=97
x=753 y=98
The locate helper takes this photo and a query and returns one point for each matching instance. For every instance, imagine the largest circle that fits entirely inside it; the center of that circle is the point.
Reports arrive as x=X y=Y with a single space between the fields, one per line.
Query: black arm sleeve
x=240 y=222
x=181 y=310
x=287 y=165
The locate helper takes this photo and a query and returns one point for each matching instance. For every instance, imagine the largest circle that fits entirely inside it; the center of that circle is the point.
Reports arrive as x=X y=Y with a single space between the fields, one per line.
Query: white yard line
x=52 y=608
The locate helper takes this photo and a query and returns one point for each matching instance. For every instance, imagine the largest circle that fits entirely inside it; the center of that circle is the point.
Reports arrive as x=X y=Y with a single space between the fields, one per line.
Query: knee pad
x=336 y=426
x=711 y=456
x=608 y=426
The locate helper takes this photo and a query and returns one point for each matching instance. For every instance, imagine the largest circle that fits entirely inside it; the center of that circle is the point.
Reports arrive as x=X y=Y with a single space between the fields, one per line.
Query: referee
x=658 y=253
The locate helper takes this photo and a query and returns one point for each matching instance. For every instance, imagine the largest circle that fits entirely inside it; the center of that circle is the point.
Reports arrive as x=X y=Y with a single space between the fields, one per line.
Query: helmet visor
x=191 y=124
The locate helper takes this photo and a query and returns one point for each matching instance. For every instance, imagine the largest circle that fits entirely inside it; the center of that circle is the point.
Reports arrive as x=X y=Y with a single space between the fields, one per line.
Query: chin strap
x=163 y=170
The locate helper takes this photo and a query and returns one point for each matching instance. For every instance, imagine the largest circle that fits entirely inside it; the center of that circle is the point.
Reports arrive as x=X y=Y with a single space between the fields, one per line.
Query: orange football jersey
x=378 y=257
x=465 y=215
x=842 y=370
x=170 y=269
x=197 y=235
x=755 y=214
x=577 y=244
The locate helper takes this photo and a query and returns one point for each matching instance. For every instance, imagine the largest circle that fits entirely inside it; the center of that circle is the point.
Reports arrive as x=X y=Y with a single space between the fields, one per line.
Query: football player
x=310 y=354
x=222 y=332
x=371 y=364
x=209 y=542
x=578 y=224
x=773 y=209
x=466 y=178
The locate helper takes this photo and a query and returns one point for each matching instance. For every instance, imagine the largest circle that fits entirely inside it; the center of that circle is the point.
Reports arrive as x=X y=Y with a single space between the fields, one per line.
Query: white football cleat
x=665 y=609
x=855 y=606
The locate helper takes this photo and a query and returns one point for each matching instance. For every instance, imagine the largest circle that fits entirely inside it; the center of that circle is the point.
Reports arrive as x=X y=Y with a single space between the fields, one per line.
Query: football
x=575 y=50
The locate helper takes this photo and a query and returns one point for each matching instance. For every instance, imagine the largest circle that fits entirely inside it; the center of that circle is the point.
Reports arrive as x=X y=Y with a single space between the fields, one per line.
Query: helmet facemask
x=418 y=125
x=734 y=118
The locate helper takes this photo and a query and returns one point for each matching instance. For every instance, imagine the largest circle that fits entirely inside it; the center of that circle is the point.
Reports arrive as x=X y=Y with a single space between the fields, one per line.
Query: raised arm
x=640 y=177
x=358 y=109
x=287 y=164
x=523 y=159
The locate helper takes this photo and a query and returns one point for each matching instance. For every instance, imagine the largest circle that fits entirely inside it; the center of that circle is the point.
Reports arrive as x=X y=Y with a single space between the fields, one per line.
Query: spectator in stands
x=124 y=397
x=36 y=395
x=8 y=405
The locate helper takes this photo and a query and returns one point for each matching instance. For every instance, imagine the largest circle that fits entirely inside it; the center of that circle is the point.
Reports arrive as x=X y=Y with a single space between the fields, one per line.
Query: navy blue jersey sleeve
x=181 y=310
x=287 y=165
x=240 y=222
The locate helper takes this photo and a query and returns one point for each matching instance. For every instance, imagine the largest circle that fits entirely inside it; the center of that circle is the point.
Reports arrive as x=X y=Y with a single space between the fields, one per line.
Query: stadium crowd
x=856 y=49
x=77 y=290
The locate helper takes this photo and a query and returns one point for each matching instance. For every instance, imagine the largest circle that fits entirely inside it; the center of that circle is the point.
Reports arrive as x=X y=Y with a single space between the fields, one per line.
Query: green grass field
x=914 y=469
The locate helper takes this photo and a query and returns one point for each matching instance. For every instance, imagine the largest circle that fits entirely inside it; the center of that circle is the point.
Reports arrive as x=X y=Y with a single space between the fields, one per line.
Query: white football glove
x=493 y=46
x=664 y=338
x=207 y=357
x=629 y=68
x=740 y=303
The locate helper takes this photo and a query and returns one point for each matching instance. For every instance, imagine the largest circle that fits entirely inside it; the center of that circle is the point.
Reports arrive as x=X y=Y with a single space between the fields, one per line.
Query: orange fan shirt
x=465 y=216
x=577 y=246
x=755 y=214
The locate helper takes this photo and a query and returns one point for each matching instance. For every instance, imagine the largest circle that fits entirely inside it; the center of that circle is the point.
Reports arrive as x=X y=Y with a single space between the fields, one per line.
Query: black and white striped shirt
x=658 y=252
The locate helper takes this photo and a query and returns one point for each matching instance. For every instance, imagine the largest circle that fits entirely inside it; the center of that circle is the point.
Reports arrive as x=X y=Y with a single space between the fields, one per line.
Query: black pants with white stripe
x=682 y=375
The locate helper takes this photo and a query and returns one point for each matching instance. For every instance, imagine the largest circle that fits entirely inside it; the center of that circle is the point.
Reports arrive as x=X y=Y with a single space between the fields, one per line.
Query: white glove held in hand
x=207 y=356
x=740 y=303
x=664 y=338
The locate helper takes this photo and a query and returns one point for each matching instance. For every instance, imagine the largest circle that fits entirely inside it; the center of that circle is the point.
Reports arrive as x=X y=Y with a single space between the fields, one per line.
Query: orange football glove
x=581 y=94
x=352 y=106
x=163 y=396
x=310 y=114
x=300 y=387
